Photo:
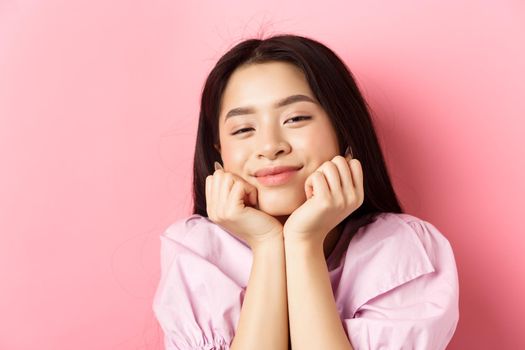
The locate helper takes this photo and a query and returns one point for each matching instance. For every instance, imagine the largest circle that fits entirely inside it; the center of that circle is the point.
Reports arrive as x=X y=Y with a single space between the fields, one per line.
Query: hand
x=333 y=192
x=229 y=203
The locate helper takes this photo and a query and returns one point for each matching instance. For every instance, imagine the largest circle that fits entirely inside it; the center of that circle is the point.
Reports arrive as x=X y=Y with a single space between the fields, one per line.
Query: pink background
x=98 y=112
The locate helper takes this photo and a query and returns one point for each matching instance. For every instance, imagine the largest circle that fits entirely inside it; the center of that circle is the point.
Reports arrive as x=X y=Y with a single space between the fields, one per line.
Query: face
x=298 y=133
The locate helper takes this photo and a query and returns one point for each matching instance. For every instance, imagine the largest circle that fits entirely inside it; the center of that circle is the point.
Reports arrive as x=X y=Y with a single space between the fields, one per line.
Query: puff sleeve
x=196 y=304
x=421 y=311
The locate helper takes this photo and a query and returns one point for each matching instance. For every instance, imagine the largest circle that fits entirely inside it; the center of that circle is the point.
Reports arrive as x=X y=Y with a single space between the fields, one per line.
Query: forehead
x=260 y=85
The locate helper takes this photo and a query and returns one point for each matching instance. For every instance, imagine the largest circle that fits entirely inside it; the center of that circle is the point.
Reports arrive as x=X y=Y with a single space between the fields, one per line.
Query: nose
x=271 y=144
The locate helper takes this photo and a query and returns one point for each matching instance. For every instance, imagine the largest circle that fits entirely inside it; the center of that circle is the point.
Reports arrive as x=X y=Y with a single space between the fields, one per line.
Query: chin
x=276 y=210
x=280 y=201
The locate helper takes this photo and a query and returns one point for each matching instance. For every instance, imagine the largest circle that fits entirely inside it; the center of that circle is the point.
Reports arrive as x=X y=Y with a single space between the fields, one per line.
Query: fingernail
x=349 y=152
x=218 y=165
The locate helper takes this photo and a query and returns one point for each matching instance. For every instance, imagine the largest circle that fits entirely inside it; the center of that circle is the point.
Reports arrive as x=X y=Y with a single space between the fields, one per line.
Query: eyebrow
x=281 y=103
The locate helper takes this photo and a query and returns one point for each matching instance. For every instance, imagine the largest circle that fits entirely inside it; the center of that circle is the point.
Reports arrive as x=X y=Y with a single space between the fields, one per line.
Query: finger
x=237 y=195
x=308 y=187
x=357 y=174
x=209 y=180
x=320 y=187
x=347 y=182
x=243 y=191
x=331 y=173
x=215 y=191
x=250 y=191
x=225 y=189
x=252 y=195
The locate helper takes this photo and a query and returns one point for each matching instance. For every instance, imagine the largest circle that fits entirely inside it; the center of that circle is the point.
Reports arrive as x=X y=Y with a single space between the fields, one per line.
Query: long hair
x=336 y=90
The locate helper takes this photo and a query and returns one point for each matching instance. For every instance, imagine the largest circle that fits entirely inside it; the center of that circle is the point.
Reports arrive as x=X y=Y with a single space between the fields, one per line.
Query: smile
x=277 y=179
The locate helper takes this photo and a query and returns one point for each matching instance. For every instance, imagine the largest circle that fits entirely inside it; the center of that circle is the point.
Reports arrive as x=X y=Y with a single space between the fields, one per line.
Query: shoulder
x=399 y=285
x=181 y=228
x=389 y=224
x=197 y=237
x=404 y=232
x=198 y=231
x=393 y=250
x=422 y=228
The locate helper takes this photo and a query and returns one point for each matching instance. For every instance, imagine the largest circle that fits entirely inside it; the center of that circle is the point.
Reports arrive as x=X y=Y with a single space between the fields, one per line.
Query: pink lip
x=277 y=179
x=272 y=170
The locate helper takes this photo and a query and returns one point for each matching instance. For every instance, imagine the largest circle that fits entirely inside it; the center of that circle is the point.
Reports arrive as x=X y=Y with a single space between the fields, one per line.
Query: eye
x=239 y=131
x=303 y=117
x=300 y=117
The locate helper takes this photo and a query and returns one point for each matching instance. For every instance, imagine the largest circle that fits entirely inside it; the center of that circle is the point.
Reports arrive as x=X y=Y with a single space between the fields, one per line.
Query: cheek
x=319 y=145
x=233 y=158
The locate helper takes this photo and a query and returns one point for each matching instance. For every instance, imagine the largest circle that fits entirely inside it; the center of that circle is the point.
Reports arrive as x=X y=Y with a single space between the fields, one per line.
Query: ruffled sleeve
x=420 y=310
x=196 y=304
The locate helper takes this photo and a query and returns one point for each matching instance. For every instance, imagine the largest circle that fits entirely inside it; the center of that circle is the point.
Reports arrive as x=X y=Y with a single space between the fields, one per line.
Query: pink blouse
x=395 y=284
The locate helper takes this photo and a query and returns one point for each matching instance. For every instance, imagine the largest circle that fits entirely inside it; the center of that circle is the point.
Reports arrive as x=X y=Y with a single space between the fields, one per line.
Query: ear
x=217 y=147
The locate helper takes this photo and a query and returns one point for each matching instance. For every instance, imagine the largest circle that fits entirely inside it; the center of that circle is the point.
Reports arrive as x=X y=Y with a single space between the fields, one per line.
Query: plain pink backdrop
x=99 y=105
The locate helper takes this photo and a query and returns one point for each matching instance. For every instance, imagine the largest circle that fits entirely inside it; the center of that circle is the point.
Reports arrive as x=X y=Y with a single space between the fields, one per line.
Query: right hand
x=230 y=202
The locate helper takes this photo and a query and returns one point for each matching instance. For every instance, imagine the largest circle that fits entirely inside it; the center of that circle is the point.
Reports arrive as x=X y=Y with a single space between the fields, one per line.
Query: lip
x=279 y=177
x=275 y=170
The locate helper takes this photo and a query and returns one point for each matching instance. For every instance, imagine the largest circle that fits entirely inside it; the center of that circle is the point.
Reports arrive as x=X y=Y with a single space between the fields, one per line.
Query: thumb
x=250 y=196
x=308 y=188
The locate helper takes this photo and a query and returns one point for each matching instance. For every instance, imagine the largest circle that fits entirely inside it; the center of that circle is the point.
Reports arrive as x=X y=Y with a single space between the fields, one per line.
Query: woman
x=297 y=239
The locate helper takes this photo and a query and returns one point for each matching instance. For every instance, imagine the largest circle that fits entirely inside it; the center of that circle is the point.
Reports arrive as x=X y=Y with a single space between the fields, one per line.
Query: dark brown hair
x=334 y=87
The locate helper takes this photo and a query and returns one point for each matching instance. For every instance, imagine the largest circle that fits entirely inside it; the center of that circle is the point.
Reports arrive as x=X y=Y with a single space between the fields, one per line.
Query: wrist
x=306 y=243
x=268 y=244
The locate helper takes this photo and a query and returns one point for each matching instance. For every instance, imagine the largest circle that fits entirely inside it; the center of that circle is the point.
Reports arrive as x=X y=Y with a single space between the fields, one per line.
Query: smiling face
x=297 y=133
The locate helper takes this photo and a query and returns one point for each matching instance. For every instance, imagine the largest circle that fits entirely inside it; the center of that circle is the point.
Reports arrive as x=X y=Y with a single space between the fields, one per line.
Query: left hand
x=333 y=192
